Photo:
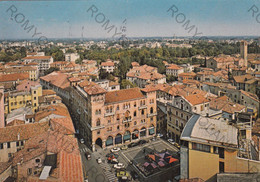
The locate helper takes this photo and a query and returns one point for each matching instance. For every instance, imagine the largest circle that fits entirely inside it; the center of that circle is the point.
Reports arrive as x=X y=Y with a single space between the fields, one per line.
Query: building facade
x=113 y=118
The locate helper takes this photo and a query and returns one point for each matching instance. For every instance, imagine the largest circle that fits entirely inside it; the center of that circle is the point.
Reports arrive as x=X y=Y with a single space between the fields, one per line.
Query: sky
x=129 y=18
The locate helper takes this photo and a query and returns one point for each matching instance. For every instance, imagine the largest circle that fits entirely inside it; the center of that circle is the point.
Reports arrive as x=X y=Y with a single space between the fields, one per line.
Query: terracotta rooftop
x=26 y=85
x=55 y=140
x=94 y=89
x=48 y=92
x=174 y=67
x=188 y=74
x=135 y=64
x=250 y=95
x=57 y=63
x=57 y=79
x=196 y=99
x=16 y=122
x=243 y=78
x=108 y=63
x=123 y=95
x=225 y=58
x=111 y=83
x=18 y=69
x=23 y=132
x=150 y=76
x=14 y=77
x=59 y=109
x=74 y=79
x=223 y=103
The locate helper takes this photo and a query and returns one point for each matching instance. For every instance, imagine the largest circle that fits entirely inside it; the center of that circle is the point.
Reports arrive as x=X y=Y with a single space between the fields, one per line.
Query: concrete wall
x=202 y=164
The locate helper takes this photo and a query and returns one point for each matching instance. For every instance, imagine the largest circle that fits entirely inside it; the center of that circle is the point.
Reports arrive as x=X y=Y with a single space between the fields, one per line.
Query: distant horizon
x=145 y=37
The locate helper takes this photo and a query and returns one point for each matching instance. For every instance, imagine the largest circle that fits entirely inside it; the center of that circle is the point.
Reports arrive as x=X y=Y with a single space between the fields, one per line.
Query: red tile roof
x=174 y=67
x=57 y=79
x=26 y=131
x=224 y=104
x=123 y=95
x=108 y=63
x=196 y=99
x=14 y=77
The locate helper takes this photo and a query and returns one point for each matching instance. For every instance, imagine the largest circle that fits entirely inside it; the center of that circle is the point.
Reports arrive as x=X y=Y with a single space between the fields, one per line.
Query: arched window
x=135 y=114
x=98 y=122
x=151 y=110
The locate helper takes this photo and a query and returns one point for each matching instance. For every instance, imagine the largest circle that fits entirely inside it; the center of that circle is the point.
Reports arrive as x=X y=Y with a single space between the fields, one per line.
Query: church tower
x=243 y=51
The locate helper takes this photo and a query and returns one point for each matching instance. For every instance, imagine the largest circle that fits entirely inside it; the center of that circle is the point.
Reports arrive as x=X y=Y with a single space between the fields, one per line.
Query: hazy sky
x=71 y=19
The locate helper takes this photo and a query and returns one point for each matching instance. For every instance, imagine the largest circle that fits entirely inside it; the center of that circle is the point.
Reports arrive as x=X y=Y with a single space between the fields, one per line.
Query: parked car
x=176 y=145
x=159 y=135
x=134 y=175
x=82 y=140
x=142 y=142
x=122 y=174
x=99 y=161
x=124 y=147
x=153 y=139
x=171 y=141
x=88 y=156
x=112 y=155
x=119 y=166
x=132 y=145
x=116 y=149
x=114 y=161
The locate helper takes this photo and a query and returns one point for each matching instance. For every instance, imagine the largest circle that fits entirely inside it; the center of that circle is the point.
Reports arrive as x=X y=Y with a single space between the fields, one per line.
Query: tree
x=171 y=78
x=127 y=84
x=50 y=70
x=78 y=61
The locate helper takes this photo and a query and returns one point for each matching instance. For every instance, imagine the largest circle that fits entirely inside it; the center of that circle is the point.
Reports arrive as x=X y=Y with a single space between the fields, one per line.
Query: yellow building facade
x=17 y=99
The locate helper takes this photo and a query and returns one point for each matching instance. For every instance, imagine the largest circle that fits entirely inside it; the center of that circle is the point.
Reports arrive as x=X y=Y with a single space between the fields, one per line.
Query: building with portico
x=115 y=117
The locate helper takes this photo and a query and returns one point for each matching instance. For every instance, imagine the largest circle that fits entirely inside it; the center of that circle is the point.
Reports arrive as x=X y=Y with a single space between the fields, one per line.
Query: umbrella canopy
x=161 y=164
x=146 y=164
x=162 y=155
x=151 y=157
x=170 y=160
x=153 y=165
x=167 y=155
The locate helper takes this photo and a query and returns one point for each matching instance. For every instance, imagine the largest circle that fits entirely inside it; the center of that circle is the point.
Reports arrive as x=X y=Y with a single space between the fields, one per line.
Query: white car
x=171 y=141
x=116 y=149
x=99 y=161
x=159 y=135
x=119 y=166
x=81 y=140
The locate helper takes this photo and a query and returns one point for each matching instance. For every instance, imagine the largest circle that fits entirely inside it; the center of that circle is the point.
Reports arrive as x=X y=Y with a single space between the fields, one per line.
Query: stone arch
x=99 y=142
x=109 y=141
x=143 y=132
x=135 y=134
x=118 y=138
x=127 y=136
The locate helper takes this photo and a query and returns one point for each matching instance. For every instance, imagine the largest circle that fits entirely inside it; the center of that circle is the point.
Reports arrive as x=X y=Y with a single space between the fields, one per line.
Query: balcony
x=127 y=120
x=109 y=114
x=97 y=127
x=151 y=115
x=142 y=107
